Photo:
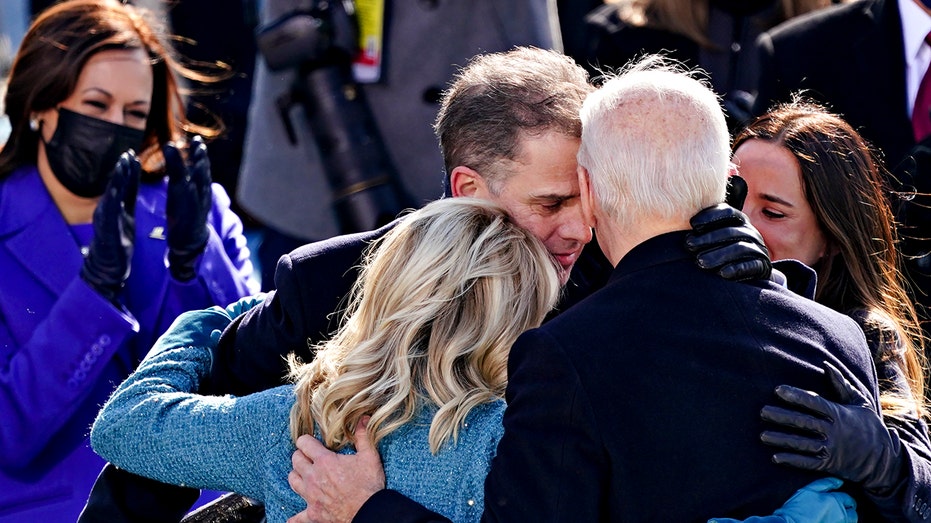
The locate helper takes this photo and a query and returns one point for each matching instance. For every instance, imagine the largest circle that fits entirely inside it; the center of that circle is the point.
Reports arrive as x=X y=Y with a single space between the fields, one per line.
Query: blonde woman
x=422 y=352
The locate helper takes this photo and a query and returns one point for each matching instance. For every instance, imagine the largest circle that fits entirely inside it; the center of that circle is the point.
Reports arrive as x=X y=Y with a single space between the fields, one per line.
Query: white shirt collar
x=916 y=24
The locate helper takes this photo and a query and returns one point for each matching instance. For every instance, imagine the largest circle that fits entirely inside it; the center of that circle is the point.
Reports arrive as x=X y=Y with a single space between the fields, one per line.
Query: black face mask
x=742 y=7
x=83 y=151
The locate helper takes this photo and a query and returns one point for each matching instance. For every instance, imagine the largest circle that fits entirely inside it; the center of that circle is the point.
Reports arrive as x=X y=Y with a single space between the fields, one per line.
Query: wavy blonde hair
x=431 y=319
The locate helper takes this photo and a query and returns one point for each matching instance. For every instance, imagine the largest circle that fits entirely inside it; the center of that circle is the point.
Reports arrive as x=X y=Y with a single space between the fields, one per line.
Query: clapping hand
x=108 y=261
x=189 y=202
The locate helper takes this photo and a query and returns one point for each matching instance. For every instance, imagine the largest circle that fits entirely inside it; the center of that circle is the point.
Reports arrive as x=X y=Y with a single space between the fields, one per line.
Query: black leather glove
x=189 y=201
x=108 y=262
x=736 y=191
x=848 y=439
x=723 y=241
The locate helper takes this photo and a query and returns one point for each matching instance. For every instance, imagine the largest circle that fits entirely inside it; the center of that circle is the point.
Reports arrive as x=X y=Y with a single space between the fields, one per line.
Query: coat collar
x=34 y=232
x=660 y=249
x=670 y=247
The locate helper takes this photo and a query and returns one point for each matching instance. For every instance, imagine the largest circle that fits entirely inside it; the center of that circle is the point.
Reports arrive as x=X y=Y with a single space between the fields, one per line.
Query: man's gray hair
x=655 y=143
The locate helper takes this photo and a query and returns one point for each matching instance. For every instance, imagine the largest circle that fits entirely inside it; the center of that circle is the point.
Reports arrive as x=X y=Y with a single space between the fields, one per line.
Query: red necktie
x=921 y=114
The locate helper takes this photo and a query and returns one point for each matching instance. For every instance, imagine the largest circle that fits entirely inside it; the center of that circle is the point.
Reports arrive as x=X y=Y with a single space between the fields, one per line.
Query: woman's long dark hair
x=55 y=50
x=847 y=193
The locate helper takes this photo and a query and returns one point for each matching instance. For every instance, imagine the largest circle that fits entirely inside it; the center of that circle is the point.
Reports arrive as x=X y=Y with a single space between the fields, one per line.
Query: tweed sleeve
x=154 y=426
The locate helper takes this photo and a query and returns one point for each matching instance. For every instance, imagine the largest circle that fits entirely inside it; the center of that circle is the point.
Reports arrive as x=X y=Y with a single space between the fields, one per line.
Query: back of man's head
x=499 y=97
x=655 y=144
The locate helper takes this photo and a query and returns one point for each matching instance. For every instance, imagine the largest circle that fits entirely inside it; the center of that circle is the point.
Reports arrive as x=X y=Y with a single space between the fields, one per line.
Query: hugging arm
x=888 y=456
x=178 y=436
x=817 y=502
x=724 y=242
x=120 y=496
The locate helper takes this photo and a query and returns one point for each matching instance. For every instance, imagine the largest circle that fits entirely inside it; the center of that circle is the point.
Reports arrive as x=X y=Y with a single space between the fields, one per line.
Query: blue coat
x=64 y=348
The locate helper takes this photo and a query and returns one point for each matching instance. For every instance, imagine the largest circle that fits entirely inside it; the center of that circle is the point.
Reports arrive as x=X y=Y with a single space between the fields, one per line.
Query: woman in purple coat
x=95 y=260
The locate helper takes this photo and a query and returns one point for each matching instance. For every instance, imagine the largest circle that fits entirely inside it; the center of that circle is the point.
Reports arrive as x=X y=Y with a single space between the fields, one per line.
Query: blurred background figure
x=412 y=51
x=573 y=28
x=716 y=35
x=14 y=17
x=98 y=256
x=225 y=38
x=816 y=195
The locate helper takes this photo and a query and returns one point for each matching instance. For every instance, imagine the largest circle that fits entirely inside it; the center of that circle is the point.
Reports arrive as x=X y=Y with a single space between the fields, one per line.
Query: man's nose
x=574 y=227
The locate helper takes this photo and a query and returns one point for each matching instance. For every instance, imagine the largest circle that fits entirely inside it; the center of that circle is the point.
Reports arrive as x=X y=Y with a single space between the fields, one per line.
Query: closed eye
x=553 y=204
x=142 y=115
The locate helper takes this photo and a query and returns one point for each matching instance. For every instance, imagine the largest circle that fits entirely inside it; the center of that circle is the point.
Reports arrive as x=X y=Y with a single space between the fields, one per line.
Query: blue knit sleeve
x=154 y=426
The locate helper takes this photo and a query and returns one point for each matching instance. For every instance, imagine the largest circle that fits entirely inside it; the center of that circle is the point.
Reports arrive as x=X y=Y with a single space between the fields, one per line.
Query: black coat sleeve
x=119 y=496
x=312 y=283
x=910 y=501
x=391 y=505
x=546 y=414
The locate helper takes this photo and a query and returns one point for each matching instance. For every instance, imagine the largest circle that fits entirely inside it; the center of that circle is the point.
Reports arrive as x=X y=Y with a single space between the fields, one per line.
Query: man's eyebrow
x=553 y=197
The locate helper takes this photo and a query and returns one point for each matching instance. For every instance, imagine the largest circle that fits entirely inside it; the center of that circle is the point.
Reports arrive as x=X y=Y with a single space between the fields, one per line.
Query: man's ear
x=464 y=181
x=586 y=197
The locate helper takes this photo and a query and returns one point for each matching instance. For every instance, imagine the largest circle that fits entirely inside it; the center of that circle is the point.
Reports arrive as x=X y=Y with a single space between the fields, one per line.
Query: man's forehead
x=544 y=168
x=528 y=142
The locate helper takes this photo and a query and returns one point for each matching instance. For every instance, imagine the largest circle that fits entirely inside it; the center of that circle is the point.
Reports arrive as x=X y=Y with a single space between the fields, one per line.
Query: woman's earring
x=34 y=124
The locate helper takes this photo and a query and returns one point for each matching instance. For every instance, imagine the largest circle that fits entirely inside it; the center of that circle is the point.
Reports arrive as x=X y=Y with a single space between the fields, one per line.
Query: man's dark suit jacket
x=641 y=402
x=850 y=57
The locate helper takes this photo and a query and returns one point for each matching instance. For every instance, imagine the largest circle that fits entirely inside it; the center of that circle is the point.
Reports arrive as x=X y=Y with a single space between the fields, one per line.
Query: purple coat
x=64 y=348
